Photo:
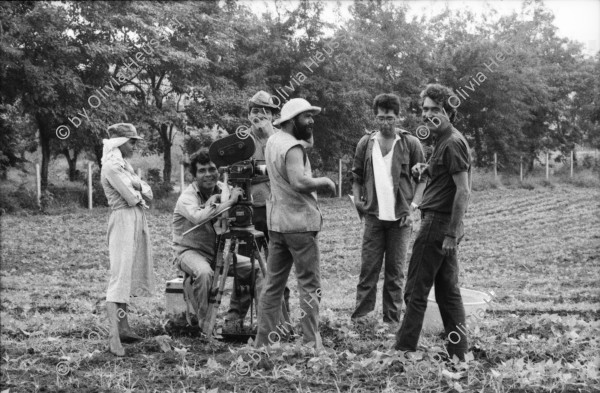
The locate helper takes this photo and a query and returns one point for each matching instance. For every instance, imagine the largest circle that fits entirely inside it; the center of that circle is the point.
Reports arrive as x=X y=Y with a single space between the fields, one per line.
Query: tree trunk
x=165 y=132
x=72 y=163
x=45 y=146
x=478 y=149
x=531 y=158
x=98 y=154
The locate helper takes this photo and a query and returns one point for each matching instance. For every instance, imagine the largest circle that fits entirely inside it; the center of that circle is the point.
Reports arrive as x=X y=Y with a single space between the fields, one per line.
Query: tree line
x=70 y=69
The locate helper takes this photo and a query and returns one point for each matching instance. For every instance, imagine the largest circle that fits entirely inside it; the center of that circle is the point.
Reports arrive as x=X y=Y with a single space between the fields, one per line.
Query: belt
x=431 y=213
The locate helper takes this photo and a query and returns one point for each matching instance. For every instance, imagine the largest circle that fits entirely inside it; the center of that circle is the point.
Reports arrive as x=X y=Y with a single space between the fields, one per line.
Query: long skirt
x=130 y=252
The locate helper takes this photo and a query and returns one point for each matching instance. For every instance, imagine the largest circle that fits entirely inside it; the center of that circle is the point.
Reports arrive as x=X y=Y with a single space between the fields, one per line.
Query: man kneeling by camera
x=195 y=252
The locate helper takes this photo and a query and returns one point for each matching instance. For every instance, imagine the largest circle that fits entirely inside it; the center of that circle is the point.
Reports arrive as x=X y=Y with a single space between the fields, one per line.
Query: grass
x=538 y=250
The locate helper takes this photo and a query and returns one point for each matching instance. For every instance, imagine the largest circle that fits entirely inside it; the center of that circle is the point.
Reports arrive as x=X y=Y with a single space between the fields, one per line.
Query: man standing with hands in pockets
x=294 y=221
x=383 y=192
x=434 y=258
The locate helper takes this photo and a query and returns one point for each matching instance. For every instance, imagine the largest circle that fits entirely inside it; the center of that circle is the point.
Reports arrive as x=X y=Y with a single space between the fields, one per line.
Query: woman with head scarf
x=131 y=263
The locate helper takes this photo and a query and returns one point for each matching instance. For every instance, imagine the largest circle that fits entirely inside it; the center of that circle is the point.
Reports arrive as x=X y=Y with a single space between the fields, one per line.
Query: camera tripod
x=225 y=258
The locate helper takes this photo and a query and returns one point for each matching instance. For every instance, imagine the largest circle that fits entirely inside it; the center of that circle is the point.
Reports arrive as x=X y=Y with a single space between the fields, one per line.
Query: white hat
x=293 y=108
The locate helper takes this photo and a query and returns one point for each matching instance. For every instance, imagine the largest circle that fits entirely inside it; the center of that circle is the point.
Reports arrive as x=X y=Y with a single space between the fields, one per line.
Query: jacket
x=407 y=153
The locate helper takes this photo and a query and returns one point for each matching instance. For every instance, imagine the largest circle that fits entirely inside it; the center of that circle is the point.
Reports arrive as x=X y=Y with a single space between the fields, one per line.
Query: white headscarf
x=111 y=151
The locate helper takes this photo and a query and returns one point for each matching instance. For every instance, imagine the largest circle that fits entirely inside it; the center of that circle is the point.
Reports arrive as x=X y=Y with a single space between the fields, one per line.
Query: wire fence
x=588 y=158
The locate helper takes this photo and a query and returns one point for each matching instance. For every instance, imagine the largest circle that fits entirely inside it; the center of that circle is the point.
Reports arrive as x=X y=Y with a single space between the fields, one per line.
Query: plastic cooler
x=475 y=303
x=174 y=303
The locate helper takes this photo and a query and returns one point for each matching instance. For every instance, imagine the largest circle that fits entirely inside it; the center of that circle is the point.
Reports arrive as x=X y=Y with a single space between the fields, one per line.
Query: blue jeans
x=382 y=237
x=429 y=265
x=300 y=250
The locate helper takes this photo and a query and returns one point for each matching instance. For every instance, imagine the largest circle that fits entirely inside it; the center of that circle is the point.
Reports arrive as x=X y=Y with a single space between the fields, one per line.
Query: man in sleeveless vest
x=294 y=220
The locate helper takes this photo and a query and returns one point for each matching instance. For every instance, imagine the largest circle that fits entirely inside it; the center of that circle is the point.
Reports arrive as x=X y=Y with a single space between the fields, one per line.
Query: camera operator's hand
x=213 y=200
x=236 y=193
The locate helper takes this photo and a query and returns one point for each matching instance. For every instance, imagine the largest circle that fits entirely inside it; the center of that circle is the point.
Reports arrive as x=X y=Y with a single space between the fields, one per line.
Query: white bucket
x=475 y=303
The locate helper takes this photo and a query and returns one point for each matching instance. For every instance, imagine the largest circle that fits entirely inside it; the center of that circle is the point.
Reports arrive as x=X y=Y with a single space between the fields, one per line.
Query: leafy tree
x=17 y=135
x=39 y=70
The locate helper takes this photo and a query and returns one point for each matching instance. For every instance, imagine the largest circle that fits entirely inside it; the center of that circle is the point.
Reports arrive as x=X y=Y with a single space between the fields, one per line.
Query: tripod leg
x=252 y=286
x=236 y=282
x=221 y=270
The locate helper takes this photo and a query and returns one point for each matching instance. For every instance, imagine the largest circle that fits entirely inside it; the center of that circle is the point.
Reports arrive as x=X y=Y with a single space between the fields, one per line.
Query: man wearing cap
x=129 y=247
x=260 y=113
x=261 y=110
x=294 y=221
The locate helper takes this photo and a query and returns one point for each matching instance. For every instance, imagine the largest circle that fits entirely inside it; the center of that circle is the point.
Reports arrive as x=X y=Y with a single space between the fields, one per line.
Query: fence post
x=90 y=189
x=495 y=166
x=182 y=178
x=547 y=166
x=340 y=179
x=38 y=183
x=521 y=168
x=572 y=156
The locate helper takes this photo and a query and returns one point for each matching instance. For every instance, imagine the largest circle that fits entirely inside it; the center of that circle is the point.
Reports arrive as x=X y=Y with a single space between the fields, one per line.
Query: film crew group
x=383 y=192
x=196 y=246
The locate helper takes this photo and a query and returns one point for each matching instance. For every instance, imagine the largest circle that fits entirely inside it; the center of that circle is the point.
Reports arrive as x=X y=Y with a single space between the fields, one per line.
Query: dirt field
x=538 y=251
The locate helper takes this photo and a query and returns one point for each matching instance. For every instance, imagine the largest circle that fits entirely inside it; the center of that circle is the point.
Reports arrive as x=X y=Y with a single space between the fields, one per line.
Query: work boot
x=125 y=333
x=114 y=341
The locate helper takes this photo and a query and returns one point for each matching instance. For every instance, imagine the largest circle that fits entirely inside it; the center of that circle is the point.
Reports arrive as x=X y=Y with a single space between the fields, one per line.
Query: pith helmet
x=293 y=108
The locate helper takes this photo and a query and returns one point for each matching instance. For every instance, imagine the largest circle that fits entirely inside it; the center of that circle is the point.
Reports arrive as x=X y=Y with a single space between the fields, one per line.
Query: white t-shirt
x=384 y=185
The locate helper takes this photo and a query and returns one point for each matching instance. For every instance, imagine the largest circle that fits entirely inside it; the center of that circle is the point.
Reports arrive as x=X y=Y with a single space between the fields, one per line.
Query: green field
x=537 y=250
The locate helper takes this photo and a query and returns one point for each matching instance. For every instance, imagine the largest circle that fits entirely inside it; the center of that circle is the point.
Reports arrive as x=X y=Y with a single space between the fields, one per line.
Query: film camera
x=231 y=154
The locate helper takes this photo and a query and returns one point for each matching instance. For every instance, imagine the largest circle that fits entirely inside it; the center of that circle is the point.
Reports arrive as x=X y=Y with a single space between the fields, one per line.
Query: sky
x=578 y=20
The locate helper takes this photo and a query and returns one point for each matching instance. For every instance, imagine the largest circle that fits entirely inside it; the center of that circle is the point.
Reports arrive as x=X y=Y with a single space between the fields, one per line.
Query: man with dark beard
x=294 y=221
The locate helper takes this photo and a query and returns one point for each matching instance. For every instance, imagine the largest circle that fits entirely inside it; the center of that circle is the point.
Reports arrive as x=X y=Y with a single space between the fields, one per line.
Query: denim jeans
x=382 y=237
x=259 y=219
x=429 y=265
x=302 y=251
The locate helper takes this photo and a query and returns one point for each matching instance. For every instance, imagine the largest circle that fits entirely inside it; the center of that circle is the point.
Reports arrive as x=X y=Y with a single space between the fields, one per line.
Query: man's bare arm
x=294 y=162
x=358 y=202
x=419 y=190
x=461 y=201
